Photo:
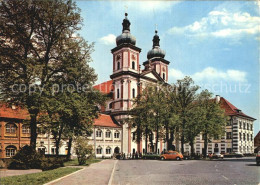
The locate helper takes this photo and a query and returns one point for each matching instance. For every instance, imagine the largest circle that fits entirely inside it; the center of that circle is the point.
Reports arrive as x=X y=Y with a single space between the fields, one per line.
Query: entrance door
x=117 y=150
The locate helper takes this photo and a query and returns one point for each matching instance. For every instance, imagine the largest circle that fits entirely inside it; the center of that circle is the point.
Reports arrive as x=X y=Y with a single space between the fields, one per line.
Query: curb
x=48 y=183
x=112 y=174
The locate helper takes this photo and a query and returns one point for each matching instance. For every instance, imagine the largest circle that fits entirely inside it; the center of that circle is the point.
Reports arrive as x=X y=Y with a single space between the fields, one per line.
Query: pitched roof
x=105 y=121
x=105 y=87
x=257 y=139
x=17 y=113
x=231 y=110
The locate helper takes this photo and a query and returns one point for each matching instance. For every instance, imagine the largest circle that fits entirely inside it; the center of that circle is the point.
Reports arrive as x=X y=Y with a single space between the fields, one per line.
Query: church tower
x=156 y=59
x=125 y=69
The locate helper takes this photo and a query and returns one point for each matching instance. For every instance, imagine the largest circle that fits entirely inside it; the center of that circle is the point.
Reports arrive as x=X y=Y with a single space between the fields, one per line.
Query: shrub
x=82 y=150
x=51 y=163
x=2 y=164
x=26 y=158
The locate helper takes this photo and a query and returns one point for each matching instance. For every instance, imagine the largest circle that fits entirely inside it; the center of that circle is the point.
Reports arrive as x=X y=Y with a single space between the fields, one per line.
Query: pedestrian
x=136 y=155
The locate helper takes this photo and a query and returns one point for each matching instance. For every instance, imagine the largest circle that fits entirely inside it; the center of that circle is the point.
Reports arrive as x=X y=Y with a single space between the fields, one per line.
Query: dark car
x=258 y=158
x=151 y=156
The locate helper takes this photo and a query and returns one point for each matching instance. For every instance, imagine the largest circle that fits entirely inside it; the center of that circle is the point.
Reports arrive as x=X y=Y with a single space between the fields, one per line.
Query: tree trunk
x=167 y=136
x=69 y=148
x=58 y=140
x=182 y=137
x=205 y=146
x=33 y=127
x=157 y=139
x=177 y=140
x=171 y=140
x=146 y=140
x=192 y=148
x=151 y=141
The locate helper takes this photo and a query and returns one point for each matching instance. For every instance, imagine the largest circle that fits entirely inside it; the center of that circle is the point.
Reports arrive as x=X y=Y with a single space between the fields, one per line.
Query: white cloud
x=211 y=74
x=110 y=39
x=221 y=24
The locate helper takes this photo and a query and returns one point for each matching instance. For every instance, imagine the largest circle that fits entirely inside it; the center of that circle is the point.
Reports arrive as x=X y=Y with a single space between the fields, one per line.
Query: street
x=227 y=171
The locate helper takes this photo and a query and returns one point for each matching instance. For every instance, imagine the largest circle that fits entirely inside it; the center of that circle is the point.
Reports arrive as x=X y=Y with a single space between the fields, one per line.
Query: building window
x=99 y=150
x=53 y=150
x=10 y=151
x=110 y=105
x=42 y=150
x=26 y=129
x=244 y=125
x=10 y=128
x=247 y=126
x=244 y=136
x=251 y=127
x=240 y=124
x=133 y=92
x=216 y=137
x=134 y=135
x=229 y=150
x=240 y=136
x=247 y=137
x=108 y=134
x=116 y=134
x=118 y=65
x=108 y=150
x=251 y=137
x=99 y=133
x=229 y=135
x=163 y=76
x=133 y=65
x=118 y=93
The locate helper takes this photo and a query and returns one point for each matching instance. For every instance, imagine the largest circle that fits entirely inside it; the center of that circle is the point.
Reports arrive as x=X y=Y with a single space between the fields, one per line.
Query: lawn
x=37 y=178
x=74 y=162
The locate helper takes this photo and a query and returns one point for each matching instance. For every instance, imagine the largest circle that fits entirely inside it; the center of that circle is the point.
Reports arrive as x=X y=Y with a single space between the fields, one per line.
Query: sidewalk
x=6 y=172
x=97 y=173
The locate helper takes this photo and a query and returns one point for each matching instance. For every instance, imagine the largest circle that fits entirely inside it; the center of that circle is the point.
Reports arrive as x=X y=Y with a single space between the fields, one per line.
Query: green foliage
x=26 y=158
x=51 y=163
x=82 y=150
x=37 y=178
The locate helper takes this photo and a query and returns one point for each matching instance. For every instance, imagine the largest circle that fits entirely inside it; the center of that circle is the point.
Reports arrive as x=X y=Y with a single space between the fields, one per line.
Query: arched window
x=99 y=133
x=10 y=128
x=133 y=93
x=108 y=150
x=118 y=65
x=116 y=134
x=26 y=129
x=163 y=76
x=133 y=65
x=118 y=95
x=99 y=150
x=10 y=151
x=108 y=134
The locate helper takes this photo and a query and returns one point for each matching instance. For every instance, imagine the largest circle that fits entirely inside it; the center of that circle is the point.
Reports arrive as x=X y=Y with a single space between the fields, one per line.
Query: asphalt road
x=199 y=172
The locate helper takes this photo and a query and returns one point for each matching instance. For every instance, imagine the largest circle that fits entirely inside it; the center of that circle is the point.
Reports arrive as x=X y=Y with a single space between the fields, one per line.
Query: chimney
x=217 y=98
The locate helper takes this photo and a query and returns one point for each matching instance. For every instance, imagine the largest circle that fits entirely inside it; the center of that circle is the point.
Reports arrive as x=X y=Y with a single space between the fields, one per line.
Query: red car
x=171 y=155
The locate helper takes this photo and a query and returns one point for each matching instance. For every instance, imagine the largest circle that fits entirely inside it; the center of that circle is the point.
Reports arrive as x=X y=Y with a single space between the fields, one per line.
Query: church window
x=163 y=76
x=118 y=95
x=118 y=65
x=133 y=92
x=133 y=65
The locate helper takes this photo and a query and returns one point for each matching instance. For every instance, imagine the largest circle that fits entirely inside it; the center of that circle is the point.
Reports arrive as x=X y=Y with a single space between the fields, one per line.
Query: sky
x=214 y=42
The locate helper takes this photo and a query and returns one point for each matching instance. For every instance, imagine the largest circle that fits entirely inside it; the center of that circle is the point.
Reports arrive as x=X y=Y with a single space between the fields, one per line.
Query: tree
x=213 y=119
x=82 y=149
x=183 y=96
x=37 y=49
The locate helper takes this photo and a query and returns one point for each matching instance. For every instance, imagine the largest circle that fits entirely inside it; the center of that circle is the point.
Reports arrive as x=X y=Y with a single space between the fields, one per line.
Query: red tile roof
x=231 y=110
x=17 y=113
x=105 y=87
x=105 y=121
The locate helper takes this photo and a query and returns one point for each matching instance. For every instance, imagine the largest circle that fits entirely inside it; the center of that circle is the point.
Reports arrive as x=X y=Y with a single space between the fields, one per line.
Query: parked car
x=258 y=158
x=216 y=156
x=151 y=156
x=171 y=155
x=238 y=154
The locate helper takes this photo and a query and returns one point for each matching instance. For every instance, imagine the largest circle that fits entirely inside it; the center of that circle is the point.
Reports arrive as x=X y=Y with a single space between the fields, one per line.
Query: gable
x=151 y=75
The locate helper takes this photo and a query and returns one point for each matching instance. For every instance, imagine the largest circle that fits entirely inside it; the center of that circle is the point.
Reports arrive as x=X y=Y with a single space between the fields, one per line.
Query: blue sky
x=216 y=43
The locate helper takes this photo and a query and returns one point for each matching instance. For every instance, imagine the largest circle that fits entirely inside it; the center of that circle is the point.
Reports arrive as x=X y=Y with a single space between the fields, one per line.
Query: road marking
x=224 y=177
x=112 y=174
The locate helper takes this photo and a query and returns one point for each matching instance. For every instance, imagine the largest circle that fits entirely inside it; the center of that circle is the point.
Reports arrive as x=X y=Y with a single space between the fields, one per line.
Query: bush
x=26 y=158
x=82 y=150
x=2 y=164
x=51 y=163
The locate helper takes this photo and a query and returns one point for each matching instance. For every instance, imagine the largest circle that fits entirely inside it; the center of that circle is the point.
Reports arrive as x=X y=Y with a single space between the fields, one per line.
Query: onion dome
x=156 y=51
x=125 y=37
